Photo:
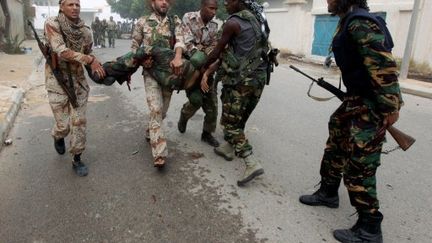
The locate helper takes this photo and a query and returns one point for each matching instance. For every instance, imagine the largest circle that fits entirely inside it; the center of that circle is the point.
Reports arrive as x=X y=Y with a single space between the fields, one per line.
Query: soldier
x=71 y=41
x=96 y=25
x=102 y=33
x=244 y=74
x=362 y=49
x=202 y=36
x=112 y=32
x=163 y=30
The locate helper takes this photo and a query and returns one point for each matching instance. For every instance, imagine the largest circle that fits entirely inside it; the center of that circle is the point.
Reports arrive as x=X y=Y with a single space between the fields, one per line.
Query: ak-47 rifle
x=52 y=61
x=403 y=140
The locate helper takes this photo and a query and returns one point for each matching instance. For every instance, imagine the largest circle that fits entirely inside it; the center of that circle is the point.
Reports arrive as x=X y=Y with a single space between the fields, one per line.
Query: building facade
x=304 y=27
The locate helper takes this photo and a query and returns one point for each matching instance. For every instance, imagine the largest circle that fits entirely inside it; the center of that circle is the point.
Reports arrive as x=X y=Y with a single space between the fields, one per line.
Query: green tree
x=133 y=9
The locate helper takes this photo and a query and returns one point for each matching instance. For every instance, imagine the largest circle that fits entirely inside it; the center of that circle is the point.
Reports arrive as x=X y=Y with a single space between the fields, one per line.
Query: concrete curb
x=416 y=90
x=11 y=113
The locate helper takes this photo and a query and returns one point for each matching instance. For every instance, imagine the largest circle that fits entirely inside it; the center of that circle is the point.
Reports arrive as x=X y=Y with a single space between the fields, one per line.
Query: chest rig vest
x=234 y=69
x=157 y=38
x=355 y=75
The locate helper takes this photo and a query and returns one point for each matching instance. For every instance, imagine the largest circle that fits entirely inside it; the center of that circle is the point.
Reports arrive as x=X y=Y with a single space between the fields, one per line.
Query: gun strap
x=315 y=97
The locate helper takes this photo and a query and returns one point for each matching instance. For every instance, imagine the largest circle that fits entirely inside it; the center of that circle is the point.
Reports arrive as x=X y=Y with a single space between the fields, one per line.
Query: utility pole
x=410 y=40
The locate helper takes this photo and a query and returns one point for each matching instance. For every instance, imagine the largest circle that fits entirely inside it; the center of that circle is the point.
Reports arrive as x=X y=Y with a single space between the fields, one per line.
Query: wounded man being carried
x=123 y=67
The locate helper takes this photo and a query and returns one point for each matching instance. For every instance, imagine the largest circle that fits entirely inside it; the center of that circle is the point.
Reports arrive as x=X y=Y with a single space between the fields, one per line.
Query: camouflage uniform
x=203 y=38
x=67 y=118
x=241 y=90
x=356 y=130
x=112 y=32
x=102 y=33
x=150 y=31
x=96 y=25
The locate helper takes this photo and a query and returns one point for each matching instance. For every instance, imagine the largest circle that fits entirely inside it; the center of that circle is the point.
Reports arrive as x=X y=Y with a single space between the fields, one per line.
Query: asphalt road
x=124 y=199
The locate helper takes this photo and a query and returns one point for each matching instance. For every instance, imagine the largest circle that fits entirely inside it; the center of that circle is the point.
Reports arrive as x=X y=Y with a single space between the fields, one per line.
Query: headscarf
x=72 y=31
x=258 y=10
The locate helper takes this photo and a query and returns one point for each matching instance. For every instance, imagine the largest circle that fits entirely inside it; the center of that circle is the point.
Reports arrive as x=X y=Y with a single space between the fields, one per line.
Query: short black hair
x=344 y=5
x=204 y=2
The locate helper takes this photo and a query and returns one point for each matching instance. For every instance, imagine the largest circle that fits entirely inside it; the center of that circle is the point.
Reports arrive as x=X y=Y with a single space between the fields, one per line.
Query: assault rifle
x=403 y=140
x=52 y=61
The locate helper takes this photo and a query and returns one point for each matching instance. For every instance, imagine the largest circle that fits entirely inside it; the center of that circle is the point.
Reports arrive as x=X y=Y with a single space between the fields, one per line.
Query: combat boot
x=78 y=166
x=59 y=145
x=253 y=169
x=182 y=123
x=327 y=195
x=208 y=138
x=366 y=230
x=226 y=150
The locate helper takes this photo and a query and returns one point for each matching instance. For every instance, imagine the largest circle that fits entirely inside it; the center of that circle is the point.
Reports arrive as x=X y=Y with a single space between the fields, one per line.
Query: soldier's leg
x=61 y=111
x=156 y=105
x=79 y=122
x=210 y=109
x=360 y=179
x=194 y=103
x=332 y=163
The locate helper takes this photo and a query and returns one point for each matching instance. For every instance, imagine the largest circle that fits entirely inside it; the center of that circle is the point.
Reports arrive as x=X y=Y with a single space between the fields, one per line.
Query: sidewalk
x=15 y=80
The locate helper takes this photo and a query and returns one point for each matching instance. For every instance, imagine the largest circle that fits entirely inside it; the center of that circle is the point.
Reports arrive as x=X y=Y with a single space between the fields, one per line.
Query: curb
x=16 y=100
x=417 y=91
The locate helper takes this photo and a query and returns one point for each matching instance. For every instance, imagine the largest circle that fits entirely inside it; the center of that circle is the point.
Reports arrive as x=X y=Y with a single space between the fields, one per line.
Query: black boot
x=59 y=145
x=367 y=229
x=327 y=195
x=79 y=167
x=182 y=123
x=208 y=138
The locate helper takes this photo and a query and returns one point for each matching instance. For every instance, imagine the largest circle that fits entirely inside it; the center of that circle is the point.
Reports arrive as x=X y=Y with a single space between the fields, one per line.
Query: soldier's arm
x=55 y=39
x=230 y=29
x=138 y=34
x=380 y=64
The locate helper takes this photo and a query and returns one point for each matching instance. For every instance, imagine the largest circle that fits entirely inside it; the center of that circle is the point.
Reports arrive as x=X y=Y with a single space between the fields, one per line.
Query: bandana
x=72 y=32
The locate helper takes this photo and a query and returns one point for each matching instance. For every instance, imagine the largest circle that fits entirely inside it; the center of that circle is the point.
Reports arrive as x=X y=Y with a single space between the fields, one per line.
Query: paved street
x=195 y=199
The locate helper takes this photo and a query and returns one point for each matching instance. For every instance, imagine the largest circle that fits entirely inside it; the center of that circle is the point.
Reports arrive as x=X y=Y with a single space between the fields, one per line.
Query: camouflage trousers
x=95 y=38
x=111 y=38
x=102 y=38
x=238 y=103
x=68 y=119
x=206 y=101
x=353 y=151
x=158 y=100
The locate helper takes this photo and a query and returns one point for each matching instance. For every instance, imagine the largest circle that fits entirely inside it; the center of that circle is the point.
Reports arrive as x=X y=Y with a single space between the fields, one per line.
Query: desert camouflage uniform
x=203 y=38
x=102 y=32
x=112 y=32
x=150 y=31
x=96 y=25
x=67 y=118
x=356 y=131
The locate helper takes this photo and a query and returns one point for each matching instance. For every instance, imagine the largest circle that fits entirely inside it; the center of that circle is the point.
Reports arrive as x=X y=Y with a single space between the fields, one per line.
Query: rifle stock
x=51 y=60
x=403 y=140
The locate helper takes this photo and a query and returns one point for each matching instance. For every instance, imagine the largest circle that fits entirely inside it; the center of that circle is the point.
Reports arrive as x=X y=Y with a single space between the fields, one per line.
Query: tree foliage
x=133 y=9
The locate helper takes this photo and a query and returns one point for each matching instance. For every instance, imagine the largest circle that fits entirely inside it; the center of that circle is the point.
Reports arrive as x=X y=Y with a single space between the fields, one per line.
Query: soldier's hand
x=204 y=83
x=391 y=119
x=97 y=68
x=176 y=65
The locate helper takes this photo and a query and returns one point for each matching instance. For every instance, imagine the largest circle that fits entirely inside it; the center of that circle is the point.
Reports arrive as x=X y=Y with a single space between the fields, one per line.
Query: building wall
x=16 y=10
x=292 y=24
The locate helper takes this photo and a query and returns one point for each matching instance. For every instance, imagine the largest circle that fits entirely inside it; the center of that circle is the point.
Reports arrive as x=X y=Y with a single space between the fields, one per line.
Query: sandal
x=159 y=162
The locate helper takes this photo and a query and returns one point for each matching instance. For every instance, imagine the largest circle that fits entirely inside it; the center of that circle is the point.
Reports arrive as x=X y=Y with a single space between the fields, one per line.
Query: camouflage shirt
x=111 y=26
x=380 y=64
x=197 y=35
x=66 y=55
x=151 y=31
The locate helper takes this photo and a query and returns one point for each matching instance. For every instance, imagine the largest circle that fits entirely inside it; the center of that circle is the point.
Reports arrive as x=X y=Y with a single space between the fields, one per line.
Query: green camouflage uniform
x=151 y=31
x=243 y=79
x=96 y=26
x=203 y=38
x=356 y=132
x=112 y=32
x=102 y=32
x=67 y=118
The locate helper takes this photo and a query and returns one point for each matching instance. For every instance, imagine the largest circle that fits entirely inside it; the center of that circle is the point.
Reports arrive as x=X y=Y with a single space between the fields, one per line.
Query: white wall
x=423 y=41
